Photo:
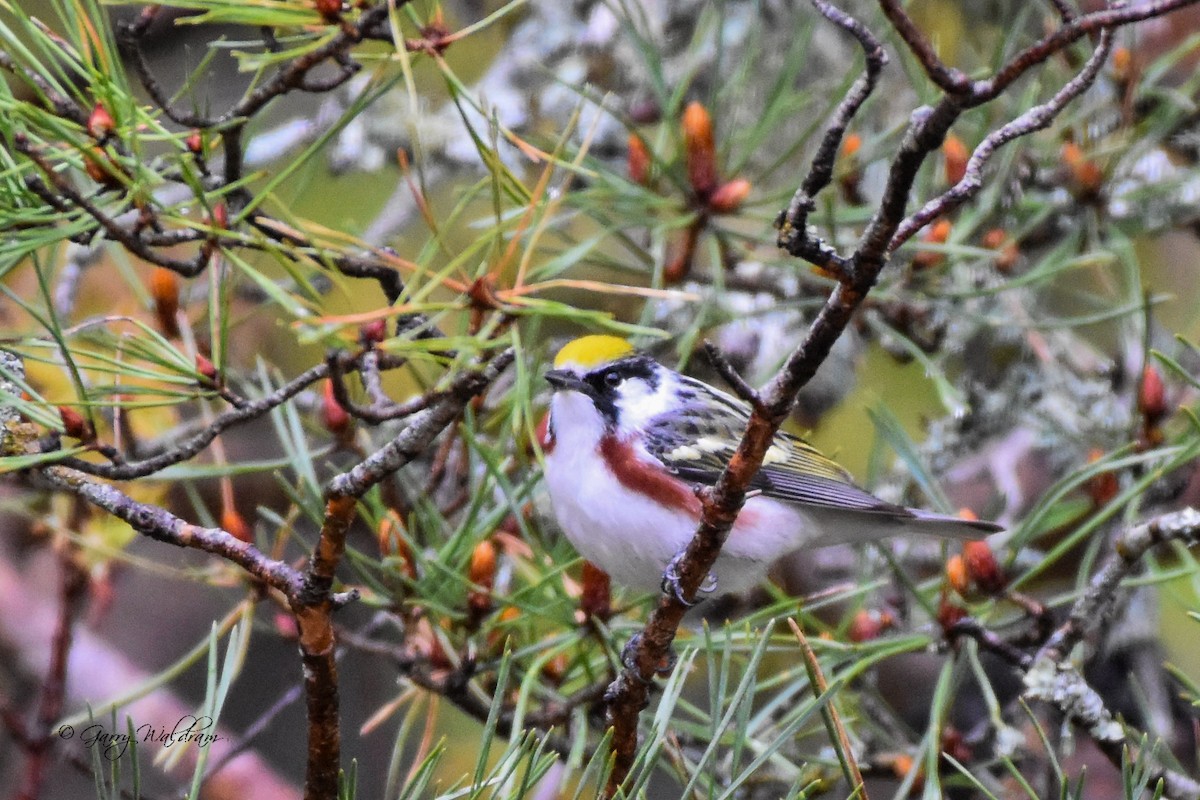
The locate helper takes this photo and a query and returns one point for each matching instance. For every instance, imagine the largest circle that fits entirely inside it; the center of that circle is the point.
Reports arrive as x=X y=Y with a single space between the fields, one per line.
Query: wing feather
x=697 y=440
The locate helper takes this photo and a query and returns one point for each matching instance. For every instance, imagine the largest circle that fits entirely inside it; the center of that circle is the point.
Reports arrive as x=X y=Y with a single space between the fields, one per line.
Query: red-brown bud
x=638 y=161
x=235 y=524
x=869 y=624
x=1152 y=396
x=555 y=669
x=954 y=158
x=393 y=543
x=194 y=142
x=482 y=569
x=1122 y=64
x=373 y=332
x=164 y=288
x=956 y=574
x=680 y=254
x=699 y=148
x=851 y=145
x=902 y=765
x=545 y=439
x=75 y=426
x=1102 y=487
x=949 y=613
x=955 y=746
x=1008 y=252
x=426 y=642
x=982 y=567
x=100 y=168
x=100 y=123
x=330 y=10
x=206 y=369
x=937 y=233
x=499 y=633
x=646 y=111
x=482 y=572
x=1086 y=177
x=848 y=169
x=729 y=196
x=335 y=418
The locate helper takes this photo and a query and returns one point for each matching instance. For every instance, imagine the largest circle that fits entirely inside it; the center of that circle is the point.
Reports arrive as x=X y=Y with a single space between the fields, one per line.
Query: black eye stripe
x=606 y=382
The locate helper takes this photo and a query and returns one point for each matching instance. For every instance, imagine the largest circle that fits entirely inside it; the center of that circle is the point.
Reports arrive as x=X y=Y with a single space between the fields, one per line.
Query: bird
x=629 y=441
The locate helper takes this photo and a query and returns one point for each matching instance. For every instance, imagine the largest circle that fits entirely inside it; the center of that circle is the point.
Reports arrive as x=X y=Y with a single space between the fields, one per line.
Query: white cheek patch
x=639 y=403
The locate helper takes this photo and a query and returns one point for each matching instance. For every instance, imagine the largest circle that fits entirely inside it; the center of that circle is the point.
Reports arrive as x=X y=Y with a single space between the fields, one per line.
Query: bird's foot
x=629 y=659
x=671 y=585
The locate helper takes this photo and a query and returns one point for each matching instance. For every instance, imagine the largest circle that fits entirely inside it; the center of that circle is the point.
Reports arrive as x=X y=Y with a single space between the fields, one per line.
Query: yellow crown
x=590 y=351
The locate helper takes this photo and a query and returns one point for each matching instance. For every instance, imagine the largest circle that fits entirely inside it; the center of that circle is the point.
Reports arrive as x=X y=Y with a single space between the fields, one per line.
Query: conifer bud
x=638 y=161
x=164 y=288
x=949 y=613
x=1103 y=486
x=954 y=158
x=729 y=196
x=235 y=524
x=335 y=418
x=700 y=150
x=330 y=10
x=206 y=369
x=1152 y=397
x=482 y=573
x=870 y=624
x=100 y=123
x=75 y=426
x=982 y=567
x=393 y=543
x=1122 y=64
x=851 y=145
x=956 y=574
x=1008 y=252
x=1086 y=177
x=937 y=233
x=100 y=168
x=373 y=332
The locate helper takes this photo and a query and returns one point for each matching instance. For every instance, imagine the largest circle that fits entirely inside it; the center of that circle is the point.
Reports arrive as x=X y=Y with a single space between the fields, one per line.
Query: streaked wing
x=697 y=441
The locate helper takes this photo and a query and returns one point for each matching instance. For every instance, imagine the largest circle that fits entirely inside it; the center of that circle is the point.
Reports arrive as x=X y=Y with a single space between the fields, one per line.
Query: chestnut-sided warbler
x=628 y=442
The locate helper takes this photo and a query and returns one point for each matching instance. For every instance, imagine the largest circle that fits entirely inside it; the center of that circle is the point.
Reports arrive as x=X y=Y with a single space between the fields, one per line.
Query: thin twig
x=1035 y=119
x=313 y=603
x=161 y=525
x=950 y=80
x=793 y=222
x=739 y=385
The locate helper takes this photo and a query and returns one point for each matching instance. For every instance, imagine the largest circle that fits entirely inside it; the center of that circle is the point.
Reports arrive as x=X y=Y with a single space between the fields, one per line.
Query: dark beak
x=564 y=380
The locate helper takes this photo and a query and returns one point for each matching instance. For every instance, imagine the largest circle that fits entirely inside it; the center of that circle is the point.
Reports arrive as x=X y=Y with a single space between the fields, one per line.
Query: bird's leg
x=629 y=658
x=670 y=581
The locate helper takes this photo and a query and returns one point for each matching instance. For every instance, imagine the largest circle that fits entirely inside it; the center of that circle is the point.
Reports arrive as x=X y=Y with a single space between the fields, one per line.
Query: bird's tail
x=950 y=527
x=854 y=527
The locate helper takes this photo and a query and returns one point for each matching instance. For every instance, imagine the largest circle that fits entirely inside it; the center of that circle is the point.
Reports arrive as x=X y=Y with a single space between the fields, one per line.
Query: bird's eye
x=612 y=380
